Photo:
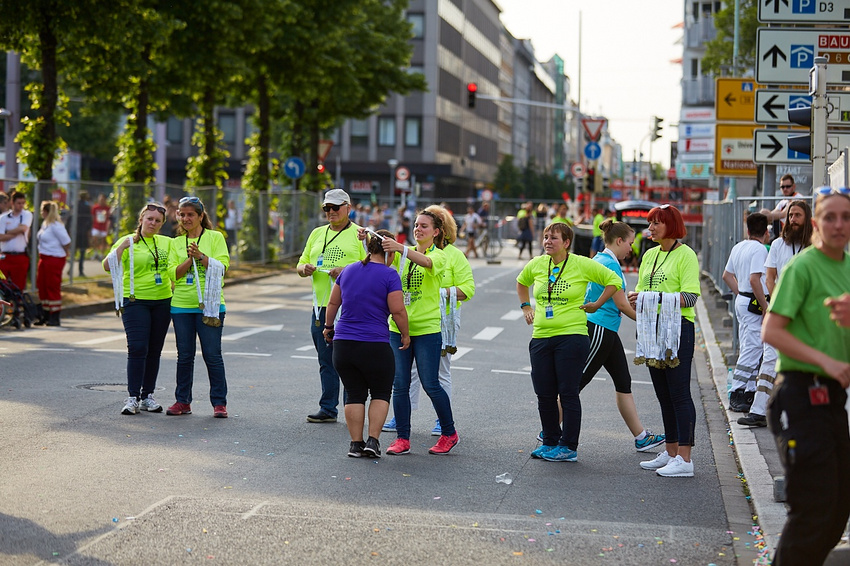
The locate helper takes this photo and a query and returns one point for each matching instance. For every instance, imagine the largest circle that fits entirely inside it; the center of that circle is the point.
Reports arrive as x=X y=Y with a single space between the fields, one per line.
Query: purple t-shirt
x=364 y=302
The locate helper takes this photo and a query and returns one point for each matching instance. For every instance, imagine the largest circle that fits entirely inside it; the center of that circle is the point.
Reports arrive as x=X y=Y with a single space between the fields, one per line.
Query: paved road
x=83 y=484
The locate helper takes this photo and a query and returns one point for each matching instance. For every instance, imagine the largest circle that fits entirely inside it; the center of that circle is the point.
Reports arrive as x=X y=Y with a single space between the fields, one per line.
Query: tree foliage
x=718 y=53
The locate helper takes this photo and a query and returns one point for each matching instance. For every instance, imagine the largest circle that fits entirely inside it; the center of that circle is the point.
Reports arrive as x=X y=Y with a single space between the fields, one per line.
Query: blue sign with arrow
x=592 y=151
x=294 y=168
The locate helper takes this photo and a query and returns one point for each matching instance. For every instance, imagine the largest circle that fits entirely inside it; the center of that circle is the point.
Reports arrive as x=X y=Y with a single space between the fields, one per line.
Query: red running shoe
x=179 y=408
x=399 y=446
x=445 y=444
x=220 y=412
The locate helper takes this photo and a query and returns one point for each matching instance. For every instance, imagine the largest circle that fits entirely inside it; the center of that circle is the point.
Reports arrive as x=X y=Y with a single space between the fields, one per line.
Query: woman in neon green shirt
x=559 y=343
x=145 y=303
x=421 y=271
x=672 y=267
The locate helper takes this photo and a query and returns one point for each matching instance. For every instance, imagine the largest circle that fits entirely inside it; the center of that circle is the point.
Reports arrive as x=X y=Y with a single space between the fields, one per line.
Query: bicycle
x=490 y=243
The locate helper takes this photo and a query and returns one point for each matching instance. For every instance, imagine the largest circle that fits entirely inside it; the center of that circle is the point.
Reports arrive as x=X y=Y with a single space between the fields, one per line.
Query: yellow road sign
x=735 y=99
x=733 y=150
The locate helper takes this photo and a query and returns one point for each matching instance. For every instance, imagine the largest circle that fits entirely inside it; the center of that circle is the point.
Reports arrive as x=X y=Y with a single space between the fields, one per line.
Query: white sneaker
x=131 y=406
x=677 y=468
x=150 y=404
x=659 y=462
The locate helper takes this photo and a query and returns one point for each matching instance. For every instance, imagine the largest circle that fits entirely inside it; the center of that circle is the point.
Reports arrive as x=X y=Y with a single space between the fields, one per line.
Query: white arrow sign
x=785 y=55
x=771 y=146
x=772 y=106
x=804 y=11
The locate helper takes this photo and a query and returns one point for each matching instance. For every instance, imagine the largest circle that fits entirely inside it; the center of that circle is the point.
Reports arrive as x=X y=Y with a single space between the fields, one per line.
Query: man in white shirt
x=744 y=273
x=789 y=191
x=14 y=236
x=796 y=235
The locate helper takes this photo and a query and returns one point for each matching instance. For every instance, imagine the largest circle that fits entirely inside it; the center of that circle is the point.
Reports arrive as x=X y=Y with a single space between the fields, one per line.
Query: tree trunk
x=264 y=123
x=144 y=163
x=208 y=171
x=49 y=96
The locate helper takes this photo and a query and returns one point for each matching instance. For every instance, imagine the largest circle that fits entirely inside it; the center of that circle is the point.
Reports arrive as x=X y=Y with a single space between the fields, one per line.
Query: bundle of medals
x=449 y=320
x=658 y=335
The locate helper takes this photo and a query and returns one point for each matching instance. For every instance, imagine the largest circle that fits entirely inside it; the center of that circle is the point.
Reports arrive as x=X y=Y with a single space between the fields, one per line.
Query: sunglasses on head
x=190 y=200
x=330 y=207
x=830 y=191
x=156 y=207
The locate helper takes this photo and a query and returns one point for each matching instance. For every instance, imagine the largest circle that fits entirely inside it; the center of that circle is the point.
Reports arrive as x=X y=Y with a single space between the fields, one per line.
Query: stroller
x=23 y=311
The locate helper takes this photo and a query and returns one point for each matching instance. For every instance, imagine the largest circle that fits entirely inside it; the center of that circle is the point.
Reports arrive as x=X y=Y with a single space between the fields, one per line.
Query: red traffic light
x=471 y=87
x=320 y=168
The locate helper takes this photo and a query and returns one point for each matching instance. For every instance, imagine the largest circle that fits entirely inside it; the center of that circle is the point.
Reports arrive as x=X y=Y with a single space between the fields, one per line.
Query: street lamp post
x=393 y=163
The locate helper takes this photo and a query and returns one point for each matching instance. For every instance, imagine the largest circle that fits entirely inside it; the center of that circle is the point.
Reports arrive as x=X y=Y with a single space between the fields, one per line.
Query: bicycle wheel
x=6 y=313
x=484 y=245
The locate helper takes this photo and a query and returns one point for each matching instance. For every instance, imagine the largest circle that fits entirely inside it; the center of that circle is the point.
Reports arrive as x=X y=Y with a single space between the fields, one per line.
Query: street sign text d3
x=808 y=11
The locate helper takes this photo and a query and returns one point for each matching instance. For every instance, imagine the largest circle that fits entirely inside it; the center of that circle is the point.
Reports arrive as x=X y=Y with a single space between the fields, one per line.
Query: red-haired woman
x=668 y=284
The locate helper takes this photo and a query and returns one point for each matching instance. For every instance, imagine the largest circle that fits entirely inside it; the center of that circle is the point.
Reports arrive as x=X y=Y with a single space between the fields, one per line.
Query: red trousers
x=48 y=279
x=16 y=268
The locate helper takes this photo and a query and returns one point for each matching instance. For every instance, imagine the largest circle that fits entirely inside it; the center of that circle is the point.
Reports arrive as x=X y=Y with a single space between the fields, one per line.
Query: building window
x=386 y=131
x=174 y=130
x=359 y=132
x=250 y=127
x=418 y=23
x=227 y=125
x=413 y=132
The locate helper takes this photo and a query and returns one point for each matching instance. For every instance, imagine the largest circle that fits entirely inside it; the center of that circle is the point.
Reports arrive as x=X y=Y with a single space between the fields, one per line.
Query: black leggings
x=606 y=349
x=364 y=368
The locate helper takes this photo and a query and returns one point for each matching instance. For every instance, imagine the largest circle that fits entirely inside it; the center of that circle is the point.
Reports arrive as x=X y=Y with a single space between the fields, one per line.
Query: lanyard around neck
x=327 y=243
x=198 y=243
x=551 y=284
x=412 y=267
x=654 y=269
x=154 y=253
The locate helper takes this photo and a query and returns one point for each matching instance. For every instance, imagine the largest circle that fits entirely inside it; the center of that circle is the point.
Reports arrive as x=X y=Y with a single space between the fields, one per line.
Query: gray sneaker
x=131 y=406
x=659 y=462
x=149 y=404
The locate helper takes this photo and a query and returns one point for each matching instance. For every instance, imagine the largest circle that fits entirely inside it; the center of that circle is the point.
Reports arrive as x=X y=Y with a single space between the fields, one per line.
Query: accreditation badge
x=550 y=312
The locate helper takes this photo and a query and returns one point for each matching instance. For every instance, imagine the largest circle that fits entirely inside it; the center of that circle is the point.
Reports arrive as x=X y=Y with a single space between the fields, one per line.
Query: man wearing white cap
x=328 y=250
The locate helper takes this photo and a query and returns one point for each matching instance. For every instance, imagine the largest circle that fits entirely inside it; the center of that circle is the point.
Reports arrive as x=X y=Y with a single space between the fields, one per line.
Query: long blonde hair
x=52 y=212
x=449 y=228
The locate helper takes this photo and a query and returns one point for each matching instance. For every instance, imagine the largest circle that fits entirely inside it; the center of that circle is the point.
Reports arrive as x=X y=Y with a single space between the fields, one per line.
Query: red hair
x=670 y=216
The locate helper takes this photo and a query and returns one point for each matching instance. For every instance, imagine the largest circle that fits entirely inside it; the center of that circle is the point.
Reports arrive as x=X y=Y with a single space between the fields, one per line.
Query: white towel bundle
x=449 y=319
x=116 y=271
x=212 y=292
x=658 y=333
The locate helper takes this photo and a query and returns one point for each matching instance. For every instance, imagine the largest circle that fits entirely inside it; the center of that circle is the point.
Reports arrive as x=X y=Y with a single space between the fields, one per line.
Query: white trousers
x=767 y=375
x=750 y=347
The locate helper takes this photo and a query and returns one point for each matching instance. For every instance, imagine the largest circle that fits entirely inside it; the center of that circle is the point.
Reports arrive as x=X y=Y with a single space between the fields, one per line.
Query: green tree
x=507 y=181
x=718 y=53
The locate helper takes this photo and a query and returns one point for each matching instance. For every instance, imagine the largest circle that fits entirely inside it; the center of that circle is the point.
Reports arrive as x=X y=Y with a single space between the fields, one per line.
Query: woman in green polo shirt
x=421 y=271
x=672 y=268
x=139 y=267
x=559 y=343
x=806 y=411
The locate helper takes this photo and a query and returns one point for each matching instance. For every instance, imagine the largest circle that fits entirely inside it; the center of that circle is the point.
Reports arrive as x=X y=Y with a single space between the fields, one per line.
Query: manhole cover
x=110 y=387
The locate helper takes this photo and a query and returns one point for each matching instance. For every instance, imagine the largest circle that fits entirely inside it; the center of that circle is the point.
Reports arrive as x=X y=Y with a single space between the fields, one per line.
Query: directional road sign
x=804 y=11
x=592 y=151
x=733 y=152
x=735 y=99
x=294 y=168
x=771 y=146
x=772 y=106
x=785 y=55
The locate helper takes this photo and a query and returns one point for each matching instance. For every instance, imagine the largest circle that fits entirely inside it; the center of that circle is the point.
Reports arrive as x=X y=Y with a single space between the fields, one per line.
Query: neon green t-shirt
x=423 y=312
x=567 y=292
x=597 y=220
x=676 y=271
x=337 y=249
x=806 y=280
x=150 y=256
x=458 y=272
x=212 y=244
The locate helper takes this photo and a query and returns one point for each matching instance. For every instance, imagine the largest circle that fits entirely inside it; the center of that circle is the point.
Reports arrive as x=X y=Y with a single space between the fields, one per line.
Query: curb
x=770 y=514
x=105 y=306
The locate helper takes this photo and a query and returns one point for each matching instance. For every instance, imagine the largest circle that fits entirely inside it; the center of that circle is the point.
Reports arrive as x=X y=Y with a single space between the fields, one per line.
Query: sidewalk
x=755 y=448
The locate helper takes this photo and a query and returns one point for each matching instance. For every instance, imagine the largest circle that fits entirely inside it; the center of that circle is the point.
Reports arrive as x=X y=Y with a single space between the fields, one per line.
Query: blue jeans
x=188 y=326
x=673 y=389
x=146 y=324
x=425 y=350
x=330 y=378
x=556 y=369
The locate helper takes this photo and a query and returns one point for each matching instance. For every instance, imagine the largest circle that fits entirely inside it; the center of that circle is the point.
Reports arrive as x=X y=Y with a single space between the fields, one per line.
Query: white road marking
x=488 y=333
x=306 y=297
x=106 y=351
x=303 y=357
x=306 y=348
x=253 y=511
x=103 y=340
x=512 y=315
x=50 y=349
x=265 y=308
x=508 y=371
x=462 y=368
x=461 y=352
x=246 y=354
x=627 y=351
x=252 y=331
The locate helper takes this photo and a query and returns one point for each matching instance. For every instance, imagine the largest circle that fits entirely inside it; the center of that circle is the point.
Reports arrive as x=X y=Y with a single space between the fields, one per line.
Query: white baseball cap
x=336 y=196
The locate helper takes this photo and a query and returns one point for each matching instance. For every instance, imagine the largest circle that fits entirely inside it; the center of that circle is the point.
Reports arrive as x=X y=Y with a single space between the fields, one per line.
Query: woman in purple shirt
x=363 y=357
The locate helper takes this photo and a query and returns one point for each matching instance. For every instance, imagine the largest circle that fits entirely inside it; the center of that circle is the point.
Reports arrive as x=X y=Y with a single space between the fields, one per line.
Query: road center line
x=265 y=308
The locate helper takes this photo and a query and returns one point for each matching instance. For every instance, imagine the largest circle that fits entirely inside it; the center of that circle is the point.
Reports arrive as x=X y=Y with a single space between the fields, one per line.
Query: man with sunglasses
x=327 y=251
x=789 y=191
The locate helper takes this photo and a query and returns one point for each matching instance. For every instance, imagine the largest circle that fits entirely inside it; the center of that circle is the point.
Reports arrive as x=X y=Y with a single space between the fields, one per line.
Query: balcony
x=698 y=91
x=698 y=33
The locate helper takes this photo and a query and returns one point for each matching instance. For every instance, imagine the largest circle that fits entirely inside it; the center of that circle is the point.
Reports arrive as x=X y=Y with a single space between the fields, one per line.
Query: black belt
x=14 y=253
x=753 y=296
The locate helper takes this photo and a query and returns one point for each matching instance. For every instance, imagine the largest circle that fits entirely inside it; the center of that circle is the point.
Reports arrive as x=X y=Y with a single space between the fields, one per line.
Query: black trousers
x=814 y=445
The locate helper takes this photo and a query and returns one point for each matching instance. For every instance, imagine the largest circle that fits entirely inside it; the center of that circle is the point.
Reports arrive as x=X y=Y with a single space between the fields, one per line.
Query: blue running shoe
x=541 y=450
x=389 y=426
x=649 y=442
x=437 y=430
x=560 y=454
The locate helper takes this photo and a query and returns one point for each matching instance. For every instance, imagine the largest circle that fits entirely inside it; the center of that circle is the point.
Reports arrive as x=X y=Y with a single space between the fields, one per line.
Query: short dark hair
x=18 y=194
x=757 y=224
x=670 y=216
x=562 y=227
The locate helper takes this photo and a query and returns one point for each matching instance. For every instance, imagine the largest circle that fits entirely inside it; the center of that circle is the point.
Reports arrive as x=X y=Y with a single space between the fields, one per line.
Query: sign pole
x=817 y=87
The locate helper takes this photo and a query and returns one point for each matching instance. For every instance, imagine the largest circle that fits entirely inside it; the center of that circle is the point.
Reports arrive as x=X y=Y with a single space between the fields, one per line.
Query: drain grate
x=108 y=387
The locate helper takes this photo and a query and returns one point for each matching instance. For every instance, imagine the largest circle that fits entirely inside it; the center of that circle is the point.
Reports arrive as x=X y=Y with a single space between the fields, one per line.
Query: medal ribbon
x=132 y=269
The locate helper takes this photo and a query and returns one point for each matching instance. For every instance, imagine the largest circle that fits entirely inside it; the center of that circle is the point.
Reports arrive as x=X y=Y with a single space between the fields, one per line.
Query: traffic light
x=656 y=128
x=642 y=184
x=471 y=89
x=320 y=168
x=803 y=117
x=591 y=179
